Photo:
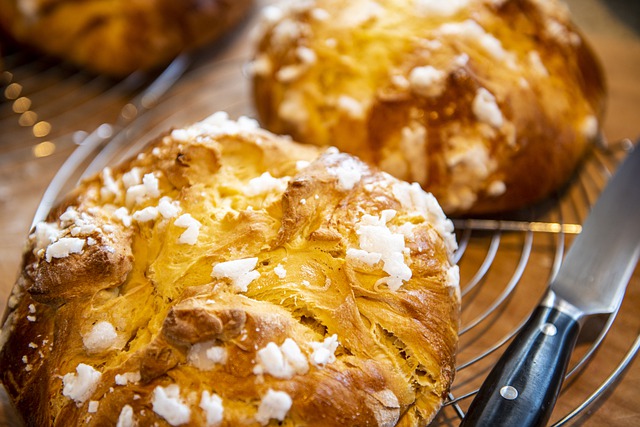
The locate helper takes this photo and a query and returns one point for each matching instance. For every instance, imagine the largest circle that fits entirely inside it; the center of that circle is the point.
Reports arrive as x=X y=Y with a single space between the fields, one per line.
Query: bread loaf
x=121 y=36
x=227 y=276
x=488 y=104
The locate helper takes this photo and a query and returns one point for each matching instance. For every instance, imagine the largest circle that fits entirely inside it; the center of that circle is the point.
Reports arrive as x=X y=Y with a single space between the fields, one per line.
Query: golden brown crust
x=487 y=104
x=119 y=37
x=349 y=284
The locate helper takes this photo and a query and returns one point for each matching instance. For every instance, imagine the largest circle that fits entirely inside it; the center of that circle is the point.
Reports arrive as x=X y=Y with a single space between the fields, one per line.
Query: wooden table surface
x=215 y=81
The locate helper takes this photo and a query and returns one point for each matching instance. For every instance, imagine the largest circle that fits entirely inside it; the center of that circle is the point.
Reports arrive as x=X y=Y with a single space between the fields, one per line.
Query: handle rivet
x=549 y=329
x=508 y=392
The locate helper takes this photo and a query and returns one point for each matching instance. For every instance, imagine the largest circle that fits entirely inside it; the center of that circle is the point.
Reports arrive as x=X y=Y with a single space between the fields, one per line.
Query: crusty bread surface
x=118 y=37
x=227 y=276
x=489 y=105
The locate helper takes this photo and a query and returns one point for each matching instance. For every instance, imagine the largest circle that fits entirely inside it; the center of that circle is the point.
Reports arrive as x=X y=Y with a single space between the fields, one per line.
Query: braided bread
x=227 y=276
x=488 y=104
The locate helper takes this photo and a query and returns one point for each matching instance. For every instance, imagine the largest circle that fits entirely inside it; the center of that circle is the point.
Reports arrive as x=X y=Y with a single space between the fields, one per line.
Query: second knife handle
x=522 y=388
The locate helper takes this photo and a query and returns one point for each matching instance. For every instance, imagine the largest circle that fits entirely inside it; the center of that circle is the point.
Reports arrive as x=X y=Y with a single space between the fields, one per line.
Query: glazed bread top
x=227 y=276
x=488 y=104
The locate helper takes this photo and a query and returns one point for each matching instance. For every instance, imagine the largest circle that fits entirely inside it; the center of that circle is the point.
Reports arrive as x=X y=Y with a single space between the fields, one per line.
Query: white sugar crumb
x=351 y=107
x=241 y=272
x=64 y=247
x=147 y=214
x=471 y=30
x=192 y=225
x=413 y=198
x=80 y=386
x=126 y=417
x=211 y=404
x=168 y=404
x=266 y=183
x=93 y=406
x=206 y=355
x=131 y=178
x=413 y=144
x=32 y=308
x=274 y=405
x=100 y=338
x=427 y=81
x=44 y=234
x=301 y=164
x=280 y=271
x=496 y=188
x=306 y=55
x=31 y=318
x=486 y=109
x=453 y=277
x=320 y=14
x=589 y=127
x=369 y=258
x=439 y=7
x=110 y=188
x=261 y=65
x=215 y=125
x=324 y=352
x=151 y=185
x=348 y=171
x=290 y=73
x=122 y=214
x=537 y=64
x=168 y=208
x=377 y=239
x=140 y=189
x=281 y=362
x=127 y=377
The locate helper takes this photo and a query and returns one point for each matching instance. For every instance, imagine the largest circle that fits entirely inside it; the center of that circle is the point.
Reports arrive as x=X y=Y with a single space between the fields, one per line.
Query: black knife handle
x=522 y=388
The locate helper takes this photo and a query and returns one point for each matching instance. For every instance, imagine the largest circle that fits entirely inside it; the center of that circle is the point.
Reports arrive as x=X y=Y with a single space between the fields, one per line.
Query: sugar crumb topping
x=192 y=225
x=486 y=109
x=414 y=199
x=100 y=338
x=324 y=352
x=283 y=362
x=127 y=377
x=64 y=247
x=168 y=404
x=81 y=385
x=211 y=404
x=427 y=81
x=439 y=7
x=125 y=419
x=241 y=272
x=206 y=355
x=274 y=405
x=348 y=171
x=266 y=183
x=377 y=241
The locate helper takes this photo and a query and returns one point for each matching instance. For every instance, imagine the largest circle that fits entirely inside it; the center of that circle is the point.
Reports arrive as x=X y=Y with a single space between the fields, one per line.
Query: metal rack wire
x=522 y=253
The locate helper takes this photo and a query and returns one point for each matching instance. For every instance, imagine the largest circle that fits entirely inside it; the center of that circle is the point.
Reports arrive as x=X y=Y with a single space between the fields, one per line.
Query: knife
x=523 y=386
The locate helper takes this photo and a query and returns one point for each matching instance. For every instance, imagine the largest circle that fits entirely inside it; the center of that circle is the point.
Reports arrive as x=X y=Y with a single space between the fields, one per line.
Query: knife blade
x=522 y=388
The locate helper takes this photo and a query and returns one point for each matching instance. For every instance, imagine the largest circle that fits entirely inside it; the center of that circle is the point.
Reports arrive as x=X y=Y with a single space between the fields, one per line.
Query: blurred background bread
x=226 y=276
x=118 y=37
x=488 y=104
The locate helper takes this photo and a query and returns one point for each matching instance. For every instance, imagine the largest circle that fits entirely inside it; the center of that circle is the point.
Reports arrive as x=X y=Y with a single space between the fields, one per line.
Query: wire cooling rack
x=505 y=262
